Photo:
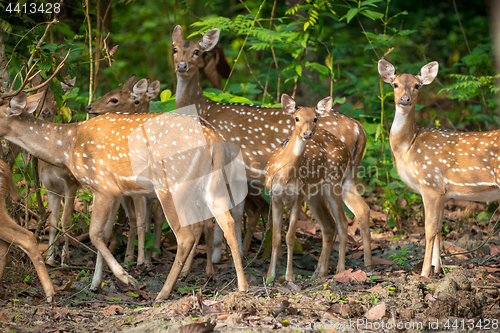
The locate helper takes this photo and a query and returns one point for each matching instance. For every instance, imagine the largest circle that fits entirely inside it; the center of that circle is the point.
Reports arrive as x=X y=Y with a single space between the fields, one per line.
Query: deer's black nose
x=405 y=100
x=46 y=113
x=89 y=108
x=182 y=67
x=307 y=135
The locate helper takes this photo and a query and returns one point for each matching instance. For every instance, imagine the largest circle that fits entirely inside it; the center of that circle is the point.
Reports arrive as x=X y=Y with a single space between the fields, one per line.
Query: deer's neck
x=47 y=141
x=403 y=130
x=291 y=156
x=189 y=92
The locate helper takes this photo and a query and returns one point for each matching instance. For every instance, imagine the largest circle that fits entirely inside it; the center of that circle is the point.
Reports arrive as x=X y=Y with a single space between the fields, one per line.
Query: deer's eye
x=137 y=102
x=175 y=50
x=417 y=86
x=113 y=100
x=315 y=120
x=395 y=85
x=297 y=119
x=196 y=52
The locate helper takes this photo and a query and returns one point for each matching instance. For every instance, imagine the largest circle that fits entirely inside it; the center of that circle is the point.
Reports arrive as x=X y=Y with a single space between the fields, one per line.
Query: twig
x=243 y=45
x=73 y=238
x=461 y=28
x=61 y=268
x=51 y=23
x=91 y=84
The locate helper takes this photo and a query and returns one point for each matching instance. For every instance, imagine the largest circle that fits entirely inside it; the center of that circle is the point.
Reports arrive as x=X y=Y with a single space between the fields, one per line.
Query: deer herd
x=299 y=154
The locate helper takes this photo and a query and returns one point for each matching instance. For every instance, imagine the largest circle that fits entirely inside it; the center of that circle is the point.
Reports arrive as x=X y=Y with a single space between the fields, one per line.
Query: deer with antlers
x=309 y=163
x=436 y=163
x=259 y=130
x=98 y=152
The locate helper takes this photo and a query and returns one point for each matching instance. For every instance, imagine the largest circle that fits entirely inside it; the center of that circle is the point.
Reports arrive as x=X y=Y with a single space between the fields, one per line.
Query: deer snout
x=46 y=113
x=307 y=135
x=405 y=100
x=89 y=108
x=182 y=67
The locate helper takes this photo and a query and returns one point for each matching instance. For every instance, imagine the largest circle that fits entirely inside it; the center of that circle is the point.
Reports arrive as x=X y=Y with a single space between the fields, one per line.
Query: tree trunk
x=495 y=35
x=4 y=71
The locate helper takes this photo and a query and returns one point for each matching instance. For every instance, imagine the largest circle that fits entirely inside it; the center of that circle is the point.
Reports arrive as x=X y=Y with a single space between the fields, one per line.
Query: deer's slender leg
x=159 y=218
x=140 y=210
x=209 y=239
x=103 y=206
x=338 y=213
x=361 y=211
x=290 y=237
x=219 y=234
x=277 y=207
x=128 y=206
x=54 y=201
x=69 y=204
x=12 y=233
x=433 y=209
x=318 y=206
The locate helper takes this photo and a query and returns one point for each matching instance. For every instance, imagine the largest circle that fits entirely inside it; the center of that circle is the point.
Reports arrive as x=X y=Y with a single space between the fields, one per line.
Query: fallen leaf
x=349 y=276
x=378 y=216
x=306 y=227
x=207 y=309
x=4 y=318
x=377 y=312
x=67 y=286
x=494 y=249
x=282 y=306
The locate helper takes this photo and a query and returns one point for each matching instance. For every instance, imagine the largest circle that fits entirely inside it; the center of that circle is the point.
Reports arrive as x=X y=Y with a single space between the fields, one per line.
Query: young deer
x=438 y=164
x=99 y=155
x=259 y=130
x=309 y=163
x=12 y=233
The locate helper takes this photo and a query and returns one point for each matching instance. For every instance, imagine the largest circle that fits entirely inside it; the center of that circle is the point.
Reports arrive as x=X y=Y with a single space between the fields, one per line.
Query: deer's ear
x=140 y=88
x=324 y=106
x=288 y=105
x=130 y=82
x=429 y=72
x=386 y=70
x=17 y=104
x=177 y=35
x=153 y=90
x=209 y=40
x=33 y=101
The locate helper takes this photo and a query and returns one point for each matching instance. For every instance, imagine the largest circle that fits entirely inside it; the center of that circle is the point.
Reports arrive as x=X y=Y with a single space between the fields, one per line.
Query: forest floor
x=390 y=297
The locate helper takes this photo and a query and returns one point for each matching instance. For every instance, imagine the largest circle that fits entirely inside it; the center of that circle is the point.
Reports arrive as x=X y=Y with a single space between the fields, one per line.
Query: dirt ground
x=389 y=297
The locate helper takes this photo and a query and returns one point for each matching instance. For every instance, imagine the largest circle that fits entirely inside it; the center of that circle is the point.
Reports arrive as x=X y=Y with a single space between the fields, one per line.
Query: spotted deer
x=133 y=98
x=258 y=130
x=98 y=153
x=311 y=162
x=436 y=163
x=13 y=234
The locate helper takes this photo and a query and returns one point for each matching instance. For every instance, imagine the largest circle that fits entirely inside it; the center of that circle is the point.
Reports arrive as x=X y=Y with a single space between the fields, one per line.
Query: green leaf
x=406 y=32
x=306 y=25
x=372 y=15
x=484 y=216
x=350 y=14
x=165 y=95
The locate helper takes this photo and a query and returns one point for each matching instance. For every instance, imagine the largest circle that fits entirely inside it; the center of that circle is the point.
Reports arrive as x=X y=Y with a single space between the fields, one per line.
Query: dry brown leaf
x=490 y=269
x=494 y=249
x=4 y=318
x=207 y=309
x=378 y=216
x=306 y=227
x=349 y=276
x=381 y=261
x=377 y=312
x=67 y=286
